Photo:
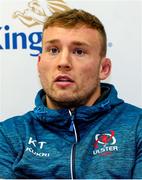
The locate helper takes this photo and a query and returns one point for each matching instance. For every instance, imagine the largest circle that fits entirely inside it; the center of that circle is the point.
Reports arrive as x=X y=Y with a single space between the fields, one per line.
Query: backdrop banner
x=21 y=24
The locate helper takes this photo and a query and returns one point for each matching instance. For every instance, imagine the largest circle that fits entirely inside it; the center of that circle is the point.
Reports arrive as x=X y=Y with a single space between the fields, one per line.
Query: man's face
x=70 y=67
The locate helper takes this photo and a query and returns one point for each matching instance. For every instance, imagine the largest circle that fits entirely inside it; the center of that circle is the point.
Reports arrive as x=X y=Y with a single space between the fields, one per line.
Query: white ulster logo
x=105 y=138
x=105 y=144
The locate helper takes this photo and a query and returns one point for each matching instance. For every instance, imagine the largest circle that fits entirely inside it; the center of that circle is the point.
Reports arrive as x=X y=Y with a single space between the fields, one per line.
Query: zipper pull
x=71 y=128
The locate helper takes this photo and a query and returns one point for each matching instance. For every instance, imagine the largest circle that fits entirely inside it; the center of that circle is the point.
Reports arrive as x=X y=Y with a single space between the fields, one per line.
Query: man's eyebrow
x=52 y=41
x=78 y=43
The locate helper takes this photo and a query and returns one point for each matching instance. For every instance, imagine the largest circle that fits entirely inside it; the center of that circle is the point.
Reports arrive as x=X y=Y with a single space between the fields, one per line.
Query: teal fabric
x=42 y=144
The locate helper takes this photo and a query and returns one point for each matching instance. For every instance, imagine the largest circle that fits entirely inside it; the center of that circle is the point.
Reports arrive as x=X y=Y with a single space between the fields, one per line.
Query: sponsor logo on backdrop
x=34 y=14
x=38 y=10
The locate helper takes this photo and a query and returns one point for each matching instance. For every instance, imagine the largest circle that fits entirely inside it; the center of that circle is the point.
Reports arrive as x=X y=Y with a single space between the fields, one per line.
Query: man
x=79 y=128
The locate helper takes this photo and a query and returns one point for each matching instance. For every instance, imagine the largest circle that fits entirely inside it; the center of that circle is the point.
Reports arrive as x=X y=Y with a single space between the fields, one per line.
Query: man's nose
x=64 y=62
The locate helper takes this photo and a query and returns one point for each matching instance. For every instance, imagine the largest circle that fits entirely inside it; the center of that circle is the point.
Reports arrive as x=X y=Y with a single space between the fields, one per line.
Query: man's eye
x=79 y=52
x=53 y=50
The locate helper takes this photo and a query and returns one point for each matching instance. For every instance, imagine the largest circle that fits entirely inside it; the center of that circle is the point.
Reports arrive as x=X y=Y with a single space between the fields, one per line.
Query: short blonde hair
x=76 y=18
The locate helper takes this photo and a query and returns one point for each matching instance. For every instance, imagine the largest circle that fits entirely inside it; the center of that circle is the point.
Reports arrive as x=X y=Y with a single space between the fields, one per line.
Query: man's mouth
x=64 y=81
x=63 y=78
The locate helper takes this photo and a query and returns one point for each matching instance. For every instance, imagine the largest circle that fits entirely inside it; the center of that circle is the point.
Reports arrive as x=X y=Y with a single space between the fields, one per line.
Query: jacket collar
x=82 y=114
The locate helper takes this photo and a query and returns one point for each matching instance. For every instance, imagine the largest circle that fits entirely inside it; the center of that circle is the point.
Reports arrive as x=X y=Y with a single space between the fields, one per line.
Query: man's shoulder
x=131 y=114
x=17 y=121
x=132 y=109
x=13 y=131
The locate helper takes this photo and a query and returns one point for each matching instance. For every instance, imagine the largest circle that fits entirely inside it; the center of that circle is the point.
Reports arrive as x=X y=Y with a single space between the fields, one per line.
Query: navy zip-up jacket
x=101 y=141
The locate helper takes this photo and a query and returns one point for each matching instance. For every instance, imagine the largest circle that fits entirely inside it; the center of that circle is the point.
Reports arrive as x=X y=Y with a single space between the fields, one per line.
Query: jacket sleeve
x=137 y=173
x=6 y=157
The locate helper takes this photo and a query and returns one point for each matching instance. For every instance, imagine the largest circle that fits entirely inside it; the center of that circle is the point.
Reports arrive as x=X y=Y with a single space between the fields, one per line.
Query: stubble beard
x=67 y=102
x=70 y=102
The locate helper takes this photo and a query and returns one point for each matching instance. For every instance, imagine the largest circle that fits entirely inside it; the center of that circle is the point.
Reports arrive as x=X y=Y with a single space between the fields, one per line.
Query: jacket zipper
x=72 y=157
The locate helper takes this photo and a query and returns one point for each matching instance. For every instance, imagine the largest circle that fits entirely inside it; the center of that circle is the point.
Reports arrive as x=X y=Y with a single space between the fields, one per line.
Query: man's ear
x=39 y=59
x=105 y=68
